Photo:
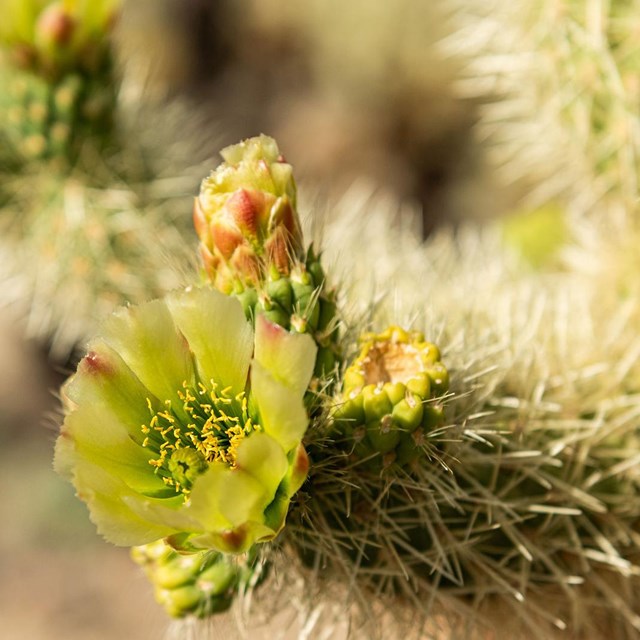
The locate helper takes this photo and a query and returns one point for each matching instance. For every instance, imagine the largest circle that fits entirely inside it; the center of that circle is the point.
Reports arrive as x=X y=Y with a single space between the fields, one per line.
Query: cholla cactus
x=57 y=75
x=525 y=521
x=187 y=422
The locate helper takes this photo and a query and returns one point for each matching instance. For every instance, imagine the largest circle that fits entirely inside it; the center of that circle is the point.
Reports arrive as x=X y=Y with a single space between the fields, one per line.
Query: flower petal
x=106 y=496
x=98 y=439
x=237 y=540
x=103 y=377
x=104 y=426
x=290 y=357
x=218 y=333
x=151 y=345
x=171 y=513
x=263 y=458
x=224 y=498
x=297 y=469
x=282 y=412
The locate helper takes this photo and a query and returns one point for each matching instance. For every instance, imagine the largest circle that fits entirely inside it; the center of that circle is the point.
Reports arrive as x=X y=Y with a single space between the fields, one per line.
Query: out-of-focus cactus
x=76 y=251
x=56 y=72
x=559 y=83
x=92 y=197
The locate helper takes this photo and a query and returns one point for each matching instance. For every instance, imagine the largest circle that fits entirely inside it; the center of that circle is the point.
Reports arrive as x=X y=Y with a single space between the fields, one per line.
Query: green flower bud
x=280 y=292
x=439 y=377
x=182 y=570
x=198 y=583
x=375 y=402
x=179 y=602
x=407 y=413
x=217 y=578
x=278 y=316
x=396 y=391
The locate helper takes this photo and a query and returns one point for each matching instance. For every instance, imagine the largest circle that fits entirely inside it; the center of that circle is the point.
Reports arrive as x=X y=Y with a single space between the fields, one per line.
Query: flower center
x=207 y=426
x=391 y=362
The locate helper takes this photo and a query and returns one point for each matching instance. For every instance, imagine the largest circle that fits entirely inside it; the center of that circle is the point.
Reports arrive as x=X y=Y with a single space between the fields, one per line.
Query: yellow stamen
x=218 y=423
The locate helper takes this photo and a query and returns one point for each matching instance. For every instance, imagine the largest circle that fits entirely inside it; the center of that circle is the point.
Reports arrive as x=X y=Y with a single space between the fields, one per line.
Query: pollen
x=207 y=424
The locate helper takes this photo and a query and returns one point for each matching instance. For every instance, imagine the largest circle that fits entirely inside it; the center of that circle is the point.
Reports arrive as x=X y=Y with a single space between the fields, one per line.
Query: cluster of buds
x=199 y=584
x=391 y=398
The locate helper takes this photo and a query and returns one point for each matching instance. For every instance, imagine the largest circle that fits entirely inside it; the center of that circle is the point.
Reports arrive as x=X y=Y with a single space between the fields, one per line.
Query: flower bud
x=200 y=583
x=245 y=217
x=55 y=27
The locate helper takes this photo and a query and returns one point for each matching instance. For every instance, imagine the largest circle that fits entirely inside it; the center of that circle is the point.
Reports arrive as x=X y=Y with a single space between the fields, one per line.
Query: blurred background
x=360 y=91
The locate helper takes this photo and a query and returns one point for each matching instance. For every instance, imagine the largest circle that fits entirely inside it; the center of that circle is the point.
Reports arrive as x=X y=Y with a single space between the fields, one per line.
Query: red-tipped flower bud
x=245 y=216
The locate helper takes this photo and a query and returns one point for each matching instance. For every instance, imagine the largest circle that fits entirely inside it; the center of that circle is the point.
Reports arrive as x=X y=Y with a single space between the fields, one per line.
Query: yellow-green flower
x=185 y=422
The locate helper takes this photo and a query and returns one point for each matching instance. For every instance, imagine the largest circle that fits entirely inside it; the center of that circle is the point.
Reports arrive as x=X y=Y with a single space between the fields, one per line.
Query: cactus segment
x=44 y=119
